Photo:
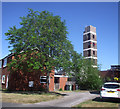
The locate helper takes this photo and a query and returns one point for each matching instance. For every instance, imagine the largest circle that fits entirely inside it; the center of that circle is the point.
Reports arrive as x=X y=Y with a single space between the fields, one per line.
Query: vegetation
x=40 y=43
x=60 y=89
x=28 y=97
x=98 y=103
x=87 y=77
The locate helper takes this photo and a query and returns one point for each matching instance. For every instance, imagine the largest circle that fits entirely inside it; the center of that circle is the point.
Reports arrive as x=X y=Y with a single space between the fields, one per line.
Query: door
x=56 y=83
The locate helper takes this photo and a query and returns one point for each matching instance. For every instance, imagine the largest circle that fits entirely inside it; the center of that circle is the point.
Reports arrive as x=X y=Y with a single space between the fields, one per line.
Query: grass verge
x=28 y=97
x=98 y=103
x=68 y=91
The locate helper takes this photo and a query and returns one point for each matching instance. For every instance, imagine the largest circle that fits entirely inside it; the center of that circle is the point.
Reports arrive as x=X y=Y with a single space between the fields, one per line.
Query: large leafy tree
x=87 y=77
x=40 y=43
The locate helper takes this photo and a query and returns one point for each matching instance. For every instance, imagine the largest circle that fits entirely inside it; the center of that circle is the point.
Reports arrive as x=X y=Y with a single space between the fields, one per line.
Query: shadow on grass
x=110 y=100
x=62 y=94
x=34 y=92
x=95 y=92
x=91 y=91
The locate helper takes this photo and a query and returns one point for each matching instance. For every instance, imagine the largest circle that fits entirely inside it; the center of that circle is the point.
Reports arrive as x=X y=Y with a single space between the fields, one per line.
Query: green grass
x=98 y=103
x=68 y=91
x=28 y=97
x=81 y=90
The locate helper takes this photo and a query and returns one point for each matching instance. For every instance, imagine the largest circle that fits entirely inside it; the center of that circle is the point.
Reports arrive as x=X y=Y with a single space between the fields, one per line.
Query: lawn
x=97 y=102
x=68 y=91
x=28 y=97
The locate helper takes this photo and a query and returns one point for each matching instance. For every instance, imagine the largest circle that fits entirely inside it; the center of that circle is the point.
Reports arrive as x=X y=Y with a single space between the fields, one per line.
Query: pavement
x=70 y=99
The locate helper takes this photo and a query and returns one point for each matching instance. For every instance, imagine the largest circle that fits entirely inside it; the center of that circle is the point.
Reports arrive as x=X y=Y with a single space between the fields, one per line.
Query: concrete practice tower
x=90 y=44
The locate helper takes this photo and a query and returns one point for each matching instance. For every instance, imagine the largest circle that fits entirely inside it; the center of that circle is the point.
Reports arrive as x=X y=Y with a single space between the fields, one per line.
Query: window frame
x=7 y=80
x=3 y=81
x=5 y=62
x=44 y=78
x=31 y=83
x=88 y=36
x=89 y=53
x=89 y=44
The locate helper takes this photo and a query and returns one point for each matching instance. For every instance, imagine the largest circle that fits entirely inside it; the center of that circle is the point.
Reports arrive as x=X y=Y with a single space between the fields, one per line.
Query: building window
x=93 y=36
x=56 y=80
x=93 y=53
x=89 y=45
x=43 y=79
x=84 y=37
x=31 y=83
x=1 y=64
x=5 y=62
x=89 y=53
x=3 y=79
x=88 y=36
x=93 y=44
x=93 y=61
x=69 y=79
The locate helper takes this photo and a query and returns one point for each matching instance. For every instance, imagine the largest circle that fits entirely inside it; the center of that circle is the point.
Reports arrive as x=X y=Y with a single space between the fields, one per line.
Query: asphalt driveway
x=70 y=99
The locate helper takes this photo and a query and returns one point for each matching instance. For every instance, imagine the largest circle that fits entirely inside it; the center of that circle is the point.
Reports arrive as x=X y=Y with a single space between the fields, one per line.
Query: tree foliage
x=40 y=43
x=87 y=77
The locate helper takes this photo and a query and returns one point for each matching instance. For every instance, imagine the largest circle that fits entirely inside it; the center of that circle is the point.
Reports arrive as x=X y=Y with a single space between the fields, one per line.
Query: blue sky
x=78 y=15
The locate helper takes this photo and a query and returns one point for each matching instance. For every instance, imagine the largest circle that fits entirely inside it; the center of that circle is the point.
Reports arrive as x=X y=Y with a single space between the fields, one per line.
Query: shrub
x=60 y=89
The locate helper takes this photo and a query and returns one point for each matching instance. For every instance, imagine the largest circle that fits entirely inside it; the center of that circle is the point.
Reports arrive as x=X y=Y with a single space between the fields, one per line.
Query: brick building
x=30 y=81
x=109 y=75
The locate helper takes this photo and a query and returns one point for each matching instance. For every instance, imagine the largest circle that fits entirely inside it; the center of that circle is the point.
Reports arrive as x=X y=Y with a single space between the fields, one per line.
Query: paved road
x=69 y=100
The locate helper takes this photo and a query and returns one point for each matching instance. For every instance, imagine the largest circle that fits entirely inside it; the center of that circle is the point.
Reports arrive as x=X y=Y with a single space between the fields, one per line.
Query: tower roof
x=90 y=28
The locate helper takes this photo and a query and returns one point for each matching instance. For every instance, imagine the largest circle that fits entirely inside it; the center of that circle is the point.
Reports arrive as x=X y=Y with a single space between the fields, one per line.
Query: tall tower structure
x=90 y=44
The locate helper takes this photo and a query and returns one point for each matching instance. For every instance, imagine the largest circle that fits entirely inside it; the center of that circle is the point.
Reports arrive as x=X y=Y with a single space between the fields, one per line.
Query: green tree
x=40 y=43
x=86 y=75
x=93 y=80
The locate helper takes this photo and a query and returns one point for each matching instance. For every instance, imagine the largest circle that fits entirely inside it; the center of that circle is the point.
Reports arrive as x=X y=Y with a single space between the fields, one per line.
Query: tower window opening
x=93 y=36
x=88 y=36
x=93 y=44
x=93 y=61
x=89 y=45
x=89 y=53
x=93 y=53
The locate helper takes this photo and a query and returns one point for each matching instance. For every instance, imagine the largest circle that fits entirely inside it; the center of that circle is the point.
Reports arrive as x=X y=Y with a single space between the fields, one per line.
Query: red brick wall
x=20 y=81
x=109 y=73
x=63 y=81
x=51 y=85
x=103 y=73
x=106 y=73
